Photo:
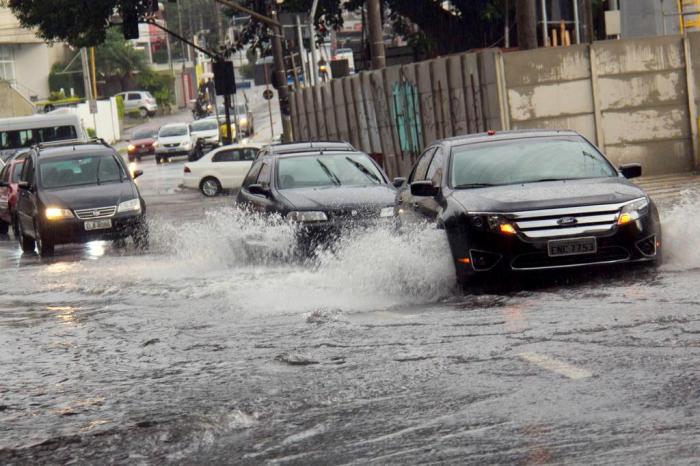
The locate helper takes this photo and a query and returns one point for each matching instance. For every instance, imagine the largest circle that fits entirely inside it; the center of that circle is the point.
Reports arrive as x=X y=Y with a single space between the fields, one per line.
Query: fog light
x=647 y=246
x=483 y=260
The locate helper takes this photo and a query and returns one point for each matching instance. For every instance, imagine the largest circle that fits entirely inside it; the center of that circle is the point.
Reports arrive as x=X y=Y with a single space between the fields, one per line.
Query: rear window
x=16 y=139
x=170 y=131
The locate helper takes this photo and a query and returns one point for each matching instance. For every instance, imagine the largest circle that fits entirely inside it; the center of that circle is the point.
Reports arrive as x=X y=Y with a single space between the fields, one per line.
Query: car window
x=134 y=96
x=252 y=175
x=16 y=172
x=28 y=171
x=421 y=168
x=249 y=153
x=264 y=176
x=435 y=168
x=205 y=125
x=16 y=139
x=5 y=173
x=232 y=155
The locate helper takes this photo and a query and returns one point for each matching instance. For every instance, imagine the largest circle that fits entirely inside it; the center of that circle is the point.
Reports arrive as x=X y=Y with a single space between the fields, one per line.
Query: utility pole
x=302 y=54
x=526 y=19
x=376 y=34
x=312 y=43
x=588 y=18
x=280 y=75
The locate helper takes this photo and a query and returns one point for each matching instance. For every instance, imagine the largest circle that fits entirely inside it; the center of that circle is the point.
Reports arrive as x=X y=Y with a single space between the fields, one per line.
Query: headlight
x=243 y=121
x=155 y=143
x=131 y=147
x=494 y=223
x=386 y=212
x=133 y=205
x=633 y=211
x=55 y=213
x=186 y=144
x=307 y=216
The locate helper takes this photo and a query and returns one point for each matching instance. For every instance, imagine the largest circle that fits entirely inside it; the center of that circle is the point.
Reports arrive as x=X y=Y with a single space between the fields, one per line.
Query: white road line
x=554 y=365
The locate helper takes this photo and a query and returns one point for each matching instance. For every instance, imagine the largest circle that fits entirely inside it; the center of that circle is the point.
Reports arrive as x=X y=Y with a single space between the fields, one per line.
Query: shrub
x=91 y=132
x=161 y=85
x=120 y=107
x=56 y=95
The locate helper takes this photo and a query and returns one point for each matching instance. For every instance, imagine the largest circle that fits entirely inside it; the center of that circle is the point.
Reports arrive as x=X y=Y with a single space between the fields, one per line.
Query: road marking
x=554 y=365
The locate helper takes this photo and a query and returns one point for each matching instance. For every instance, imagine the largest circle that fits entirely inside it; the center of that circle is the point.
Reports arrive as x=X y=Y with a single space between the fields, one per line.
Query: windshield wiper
x=473 y=185
x=364 y=170
x=328 y=172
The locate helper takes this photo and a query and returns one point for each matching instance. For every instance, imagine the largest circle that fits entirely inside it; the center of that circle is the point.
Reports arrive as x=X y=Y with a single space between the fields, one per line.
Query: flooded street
x=215 y=347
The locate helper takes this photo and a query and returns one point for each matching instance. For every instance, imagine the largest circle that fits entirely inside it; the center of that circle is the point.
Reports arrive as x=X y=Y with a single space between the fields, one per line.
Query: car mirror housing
x=23 y=185
x=137 y=173
x=258 y=190
x=631 y=170
x=398 y=182
x=424 y=189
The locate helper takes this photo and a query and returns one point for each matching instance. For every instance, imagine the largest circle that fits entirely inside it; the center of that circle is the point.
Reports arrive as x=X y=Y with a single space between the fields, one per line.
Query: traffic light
x=130 y=25
x=224 y=78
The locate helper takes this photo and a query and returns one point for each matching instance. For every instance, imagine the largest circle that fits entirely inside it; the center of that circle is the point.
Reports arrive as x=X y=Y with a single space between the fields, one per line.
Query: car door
x=223 y=167
x=132 y=101
x=5 y=190
x=408 y=203
x=27 y=202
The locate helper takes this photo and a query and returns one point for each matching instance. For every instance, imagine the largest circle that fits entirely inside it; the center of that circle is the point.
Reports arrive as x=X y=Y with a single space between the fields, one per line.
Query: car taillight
x=187 y=170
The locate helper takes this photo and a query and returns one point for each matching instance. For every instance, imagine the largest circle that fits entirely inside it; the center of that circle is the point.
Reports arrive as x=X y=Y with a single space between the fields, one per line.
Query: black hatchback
x=75 y=193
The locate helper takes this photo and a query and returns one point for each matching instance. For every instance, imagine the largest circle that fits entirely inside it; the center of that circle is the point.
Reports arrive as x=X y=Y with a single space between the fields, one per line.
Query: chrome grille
x=570 y=221
x=172 y=145
x=98 y=212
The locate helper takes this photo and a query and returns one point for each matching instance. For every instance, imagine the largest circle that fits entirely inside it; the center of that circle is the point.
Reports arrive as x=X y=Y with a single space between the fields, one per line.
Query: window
x=17 y=172
x=28 y=171
x=133 y=96
x=5 y=174
x=422 y=166
x=7 y=63
x=249 y=154
x=16 y=139
x=264 y=176
x=435 y=168
x=252 y=175
x=227 y=156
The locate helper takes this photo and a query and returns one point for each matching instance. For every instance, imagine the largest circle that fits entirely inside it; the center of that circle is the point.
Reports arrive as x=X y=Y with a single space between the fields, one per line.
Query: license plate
x=172 y=149
x=98 y=224
x=572 y=247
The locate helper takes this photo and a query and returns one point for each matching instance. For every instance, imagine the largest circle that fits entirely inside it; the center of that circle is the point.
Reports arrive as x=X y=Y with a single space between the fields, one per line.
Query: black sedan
x=325 y=192
x=535 y=200
x=75 y=193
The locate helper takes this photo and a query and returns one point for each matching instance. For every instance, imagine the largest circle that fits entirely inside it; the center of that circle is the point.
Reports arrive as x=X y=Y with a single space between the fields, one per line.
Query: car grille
x=99 y=212
x=352 y=214
x=176 y=144
x=569 y=221
x=541 y=260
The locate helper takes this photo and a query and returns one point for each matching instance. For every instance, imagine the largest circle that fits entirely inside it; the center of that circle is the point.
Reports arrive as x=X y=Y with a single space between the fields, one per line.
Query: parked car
x=175 y=139
x=221 y=169
x=142 y=101
x=530 y=201
x=207 y=129
x=75 y=193
x=9 y=179
x=142 y=143
x=325 y=192
x=22 y=132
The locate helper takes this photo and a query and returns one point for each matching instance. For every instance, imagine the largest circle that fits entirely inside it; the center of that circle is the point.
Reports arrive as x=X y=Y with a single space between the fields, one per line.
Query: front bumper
x=476 y=252
x=73 y=230
x=312 y=235
x=177 y=152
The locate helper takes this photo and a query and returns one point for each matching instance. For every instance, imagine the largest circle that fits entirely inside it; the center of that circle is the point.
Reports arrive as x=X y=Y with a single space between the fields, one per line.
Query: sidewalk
x=667 y=188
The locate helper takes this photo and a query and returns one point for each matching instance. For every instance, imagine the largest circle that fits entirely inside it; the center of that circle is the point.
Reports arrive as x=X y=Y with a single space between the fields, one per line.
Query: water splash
x=680 y=228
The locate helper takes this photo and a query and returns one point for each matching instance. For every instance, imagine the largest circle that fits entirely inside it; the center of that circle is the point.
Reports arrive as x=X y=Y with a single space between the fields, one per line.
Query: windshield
x=78 y=171
x=205 y=125
x=170 y=131
x=144 y=134
x=327 y=170
x=526 y=161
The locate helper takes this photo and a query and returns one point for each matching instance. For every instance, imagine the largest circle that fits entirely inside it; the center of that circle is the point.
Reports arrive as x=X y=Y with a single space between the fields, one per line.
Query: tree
x=526 y=18
x=117 y=58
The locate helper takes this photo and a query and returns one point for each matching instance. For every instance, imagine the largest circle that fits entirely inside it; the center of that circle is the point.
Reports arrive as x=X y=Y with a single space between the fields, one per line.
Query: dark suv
x=75 y=193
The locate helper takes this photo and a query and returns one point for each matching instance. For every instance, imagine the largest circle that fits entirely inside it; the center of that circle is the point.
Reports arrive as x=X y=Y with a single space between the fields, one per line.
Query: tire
x=4 y=228
x=210 y=186
x=15 y=226
x=26 y=242
x=158 y=160
x=141 y=237
x=143 y=112
x=44 y=247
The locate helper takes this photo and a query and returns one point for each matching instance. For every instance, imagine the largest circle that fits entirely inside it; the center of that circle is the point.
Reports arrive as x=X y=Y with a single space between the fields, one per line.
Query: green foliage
x=59 y=80
x=56 y=96
x=161 y=85
x=116 y=57
x=134 y=113
x=91 y=132
x=120 y=107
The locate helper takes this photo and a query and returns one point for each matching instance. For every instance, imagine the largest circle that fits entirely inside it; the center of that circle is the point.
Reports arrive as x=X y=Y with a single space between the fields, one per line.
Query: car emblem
x=567 y=221
x=95 y=213
x=353 y=213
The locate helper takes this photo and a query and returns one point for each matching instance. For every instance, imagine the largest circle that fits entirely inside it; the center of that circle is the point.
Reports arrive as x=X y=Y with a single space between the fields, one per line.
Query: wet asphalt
x=202 y=352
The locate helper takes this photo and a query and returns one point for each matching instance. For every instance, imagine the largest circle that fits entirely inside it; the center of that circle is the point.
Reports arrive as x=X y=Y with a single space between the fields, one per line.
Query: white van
x=19 y=132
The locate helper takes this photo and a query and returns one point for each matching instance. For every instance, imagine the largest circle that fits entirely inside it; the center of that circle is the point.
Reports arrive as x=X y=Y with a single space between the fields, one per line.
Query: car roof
x=236 y=146
x=74 y=149
x=309 y=147
x=288 y=155
x=503 y=136
x=174 y=125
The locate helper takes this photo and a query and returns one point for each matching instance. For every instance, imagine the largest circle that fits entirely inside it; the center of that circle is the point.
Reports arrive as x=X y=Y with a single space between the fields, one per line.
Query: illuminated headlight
x=243 y=121
x=386 y=212
x=307 y=216
x=494 y=223
x=133 y=205
x=131 y=148
x=633 y=211
x=55 y=213
x=155 y=143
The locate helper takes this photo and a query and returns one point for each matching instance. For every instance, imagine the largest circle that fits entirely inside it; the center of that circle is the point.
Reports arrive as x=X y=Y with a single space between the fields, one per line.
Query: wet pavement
x=204 y=351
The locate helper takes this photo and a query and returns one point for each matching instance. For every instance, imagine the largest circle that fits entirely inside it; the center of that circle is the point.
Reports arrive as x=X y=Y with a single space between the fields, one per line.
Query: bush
x=58 y=80
x=135 y=113
x=91 y=132
x=161 y=85
x=120 y=107
x=56 y=95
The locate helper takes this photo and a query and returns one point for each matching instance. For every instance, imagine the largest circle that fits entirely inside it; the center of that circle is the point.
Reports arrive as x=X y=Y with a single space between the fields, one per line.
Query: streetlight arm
x=262 y=18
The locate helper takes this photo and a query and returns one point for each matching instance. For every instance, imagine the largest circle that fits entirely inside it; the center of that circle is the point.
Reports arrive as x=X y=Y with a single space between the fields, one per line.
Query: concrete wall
x=33 y=64
x=12 y=103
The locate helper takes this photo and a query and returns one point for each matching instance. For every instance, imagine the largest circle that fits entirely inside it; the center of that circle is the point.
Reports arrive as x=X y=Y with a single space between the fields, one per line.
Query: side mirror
x=137 y=173
x=398 y=182
x=424 y=189
x=258 y=190
x=631 y=170
x=3 y=184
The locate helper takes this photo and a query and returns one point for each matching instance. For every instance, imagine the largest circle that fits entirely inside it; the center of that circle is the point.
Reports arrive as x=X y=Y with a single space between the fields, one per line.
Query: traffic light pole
x=281 y=77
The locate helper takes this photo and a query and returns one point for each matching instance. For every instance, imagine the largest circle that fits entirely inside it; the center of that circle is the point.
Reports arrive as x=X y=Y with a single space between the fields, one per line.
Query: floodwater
x=216 y=347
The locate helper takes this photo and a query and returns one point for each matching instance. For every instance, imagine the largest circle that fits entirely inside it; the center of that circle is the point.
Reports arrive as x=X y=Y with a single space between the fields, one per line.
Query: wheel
x=44 y=247
x=151 y=114
x=4 y=228
x=143 y=112
x=26 y=242
x=210 y=187
x=141 y=236
x=158 y=160
x=15 y=226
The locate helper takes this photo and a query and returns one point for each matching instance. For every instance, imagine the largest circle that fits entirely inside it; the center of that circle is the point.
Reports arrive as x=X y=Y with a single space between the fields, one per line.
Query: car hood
x=86 y=197
x=141 y=142
x=340 y=197
x=545 y=195
x=210 y=133
x=173 y=139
